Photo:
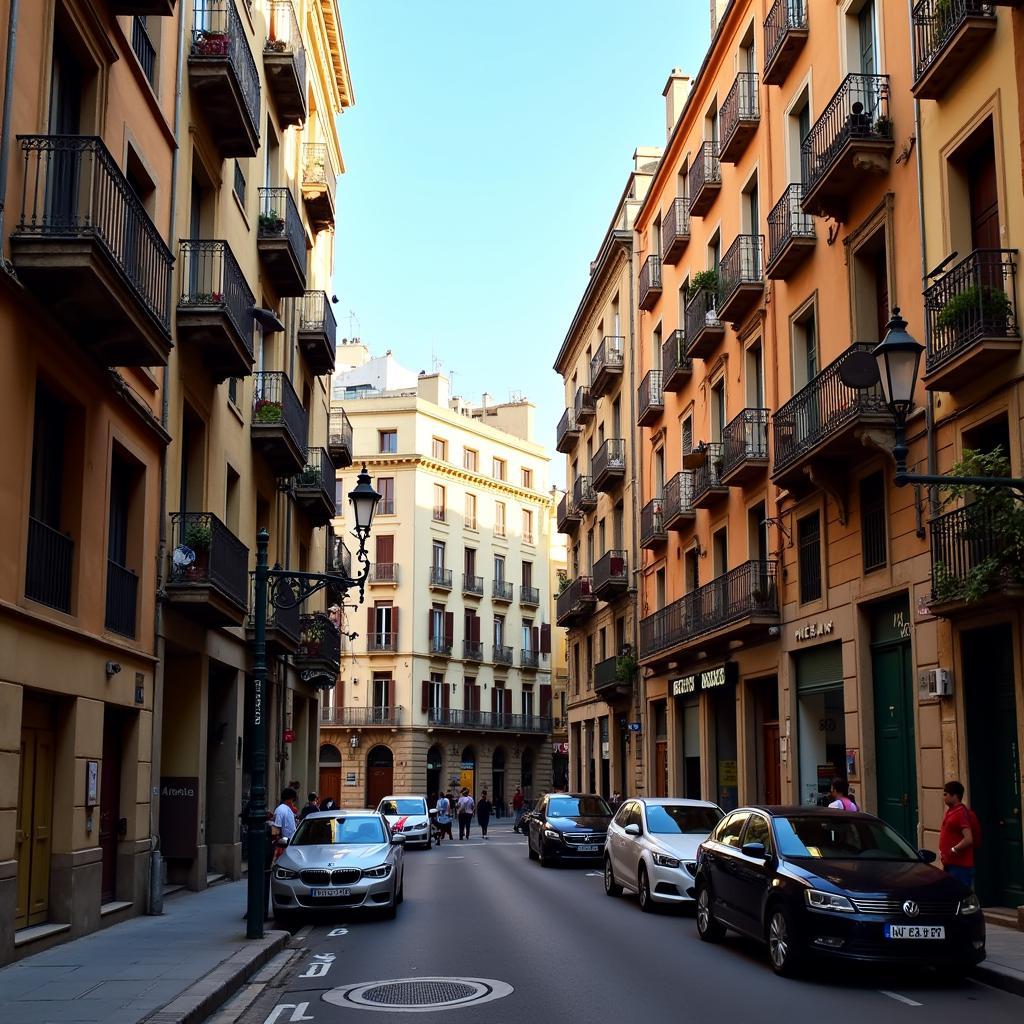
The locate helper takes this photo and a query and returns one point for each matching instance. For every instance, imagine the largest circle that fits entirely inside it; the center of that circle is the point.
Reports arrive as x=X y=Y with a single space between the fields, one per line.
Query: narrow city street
x=548 y=944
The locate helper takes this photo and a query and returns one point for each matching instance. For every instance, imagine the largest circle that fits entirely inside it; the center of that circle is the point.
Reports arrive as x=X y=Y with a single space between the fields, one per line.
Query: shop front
x=820 y=721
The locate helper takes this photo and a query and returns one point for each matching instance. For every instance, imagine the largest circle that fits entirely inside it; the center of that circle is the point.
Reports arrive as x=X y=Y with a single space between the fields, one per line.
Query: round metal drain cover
x=418 y=995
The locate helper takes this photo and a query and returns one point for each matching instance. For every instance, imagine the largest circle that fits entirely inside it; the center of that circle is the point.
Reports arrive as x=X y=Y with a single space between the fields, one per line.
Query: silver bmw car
x=339 y=859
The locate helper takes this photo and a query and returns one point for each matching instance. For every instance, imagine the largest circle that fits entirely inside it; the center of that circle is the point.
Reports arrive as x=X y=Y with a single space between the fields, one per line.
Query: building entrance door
x=110 y=801
x=35 y=812
x=993 y=760
x=379 y=775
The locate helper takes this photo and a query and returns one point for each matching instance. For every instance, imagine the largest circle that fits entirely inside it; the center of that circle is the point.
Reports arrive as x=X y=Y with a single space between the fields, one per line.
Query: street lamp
x=287 y=589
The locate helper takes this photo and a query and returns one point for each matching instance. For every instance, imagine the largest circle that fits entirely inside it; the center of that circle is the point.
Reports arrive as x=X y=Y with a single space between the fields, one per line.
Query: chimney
x=485 y=400
x=677 y=88
x=717 y=9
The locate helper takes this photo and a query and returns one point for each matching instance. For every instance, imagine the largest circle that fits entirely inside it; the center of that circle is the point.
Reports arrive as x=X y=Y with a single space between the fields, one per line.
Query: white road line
x=593 y=874
x=899 y=998
x=456 y=858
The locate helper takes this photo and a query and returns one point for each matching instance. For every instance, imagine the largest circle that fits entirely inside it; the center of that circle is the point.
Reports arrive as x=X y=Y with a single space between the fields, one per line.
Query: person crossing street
x=483 y=812
x=465 y=808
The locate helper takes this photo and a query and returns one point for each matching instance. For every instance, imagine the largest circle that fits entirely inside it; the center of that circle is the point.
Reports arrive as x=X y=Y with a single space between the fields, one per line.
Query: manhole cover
x=418 y=995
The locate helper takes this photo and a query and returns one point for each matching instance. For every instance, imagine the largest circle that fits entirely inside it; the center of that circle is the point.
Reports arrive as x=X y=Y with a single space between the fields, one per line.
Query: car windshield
x=359 y=831
x=838 y=838
x=412 y=805
x=570 y=806
x=674 y=819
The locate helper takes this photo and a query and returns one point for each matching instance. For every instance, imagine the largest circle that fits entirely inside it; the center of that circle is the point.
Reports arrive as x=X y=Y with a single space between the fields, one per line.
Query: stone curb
x=210 y=992
x=1007 y=980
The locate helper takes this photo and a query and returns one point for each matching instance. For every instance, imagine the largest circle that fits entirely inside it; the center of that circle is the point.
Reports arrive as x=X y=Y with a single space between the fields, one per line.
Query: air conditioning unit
x=936 y=682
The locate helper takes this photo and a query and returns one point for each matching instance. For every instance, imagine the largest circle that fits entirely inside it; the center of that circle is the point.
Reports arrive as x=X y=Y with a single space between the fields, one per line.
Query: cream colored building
x=448 y=679
x=559 y=569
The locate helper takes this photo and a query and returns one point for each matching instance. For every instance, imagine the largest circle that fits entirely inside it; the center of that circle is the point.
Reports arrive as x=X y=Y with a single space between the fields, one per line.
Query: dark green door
x=993 y=759
x=895 y=747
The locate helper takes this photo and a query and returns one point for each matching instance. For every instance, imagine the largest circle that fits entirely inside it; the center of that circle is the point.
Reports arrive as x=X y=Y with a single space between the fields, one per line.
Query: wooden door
x=984 y=194
x=330 y=783
x=35 y=817
x=772 y=764
x=110 y=803
x=661 y=768
x=895 y=747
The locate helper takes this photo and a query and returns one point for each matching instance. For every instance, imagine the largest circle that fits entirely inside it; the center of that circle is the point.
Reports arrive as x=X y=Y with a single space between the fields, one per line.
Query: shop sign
x=813 y=630
x=350 y=778
x=559 y=748
x=633 y=726
x=289 y=736
x=709 y=679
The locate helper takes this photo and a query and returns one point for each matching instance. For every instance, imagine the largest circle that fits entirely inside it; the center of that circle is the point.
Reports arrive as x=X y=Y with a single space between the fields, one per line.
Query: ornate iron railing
x=274 y=402
x=584 y=405
x=650 y=277
x=279 y=218
x=379 y=640
x=675 y=227
x=122 y=588
x=705 y=169
x=648 y=395
x=502 y=655
x=211 y=276
x=961 y=540
x=529 y=596
x=317 y=473
x=218 y=34
x=742 y=103
x=708 y=476
x=501 y=590
x=219 y=559
x=459 y=718
x=583 y=494
x=472 y=650
x=529 y=659
x=576 y=596
x=361 y=717
x=316 y=315
x=384 y=572
x=472 y=584
x=340 y=430
x=673 y=356
x=606 y=675
x=317 y=168
x=283 y=35
x=611 y=567
x=49 y=565
x=440 y=577
x=610 y=353
x=610 y=457
x=652 y=523
x=743 y=263
x=745 y=437
x=783 y=18
x=566 y=426
x=701 y=312
x=787 y=222
x=936 y=22
x=678 y=498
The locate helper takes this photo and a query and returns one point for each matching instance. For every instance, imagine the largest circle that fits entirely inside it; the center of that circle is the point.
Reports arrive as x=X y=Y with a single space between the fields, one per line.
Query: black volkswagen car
x=816 y=882
x=568 y=826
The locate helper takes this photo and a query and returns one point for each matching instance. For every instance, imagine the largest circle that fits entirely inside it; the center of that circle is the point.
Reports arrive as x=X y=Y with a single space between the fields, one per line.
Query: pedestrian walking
x=616 y=801
x=328 y=804
x=958 y=835
x=465 y=808
x=840 y=793
x=444 y=818
x=517 y=807
x=483 y=812
x=282 y=825
x=312 y=805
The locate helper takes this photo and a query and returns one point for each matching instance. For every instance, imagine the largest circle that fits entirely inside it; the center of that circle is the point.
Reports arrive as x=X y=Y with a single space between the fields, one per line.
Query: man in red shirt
x=956 y=843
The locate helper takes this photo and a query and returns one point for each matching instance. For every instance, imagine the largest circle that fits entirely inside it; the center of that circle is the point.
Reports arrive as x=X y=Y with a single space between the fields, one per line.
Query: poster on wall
x=179 y=815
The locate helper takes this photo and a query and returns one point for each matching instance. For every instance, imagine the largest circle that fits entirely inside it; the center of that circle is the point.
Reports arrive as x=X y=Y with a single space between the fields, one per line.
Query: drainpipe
x=156 y=893
x=638 y=483
x=5 y=129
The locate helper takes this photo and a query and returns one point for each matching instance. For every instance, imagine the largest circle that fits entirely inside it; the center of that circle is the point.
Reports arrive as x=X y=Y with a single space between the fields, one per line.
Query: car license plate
x=588 y=849
x=330 y=892
x=915 y=931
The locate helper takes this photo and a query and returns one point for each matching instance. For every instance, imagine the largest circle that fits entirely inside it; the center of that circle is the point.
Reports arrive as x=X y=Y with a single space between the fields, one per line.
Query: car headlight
x=818 y=900
x=382 y=871
x=970 y=904
x=665 y=862
x=285 y=874
x=552 y=834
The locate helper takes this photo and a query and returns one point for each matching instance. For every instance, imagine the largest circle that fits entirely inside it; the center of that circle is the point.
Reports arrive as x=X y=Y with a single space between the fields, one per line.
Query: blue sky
x=486 y=151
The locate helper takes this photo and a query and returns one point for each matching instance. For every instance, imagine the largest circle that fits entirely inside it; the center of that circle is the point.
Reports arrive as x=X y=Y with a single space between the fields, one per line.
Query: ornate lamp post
x=287 y=589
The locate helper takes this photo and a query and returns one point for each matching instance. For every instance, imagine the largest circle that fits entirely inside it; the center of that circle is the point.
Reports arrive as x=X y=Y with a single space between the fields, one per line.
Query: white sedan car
x=407 y=815
x=651 y=848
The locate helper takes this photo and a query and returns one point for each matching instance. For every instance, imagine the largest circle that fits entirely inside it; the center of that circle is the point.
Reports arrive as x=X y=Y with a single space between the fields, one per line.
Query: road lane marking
x=593 y=874
x=456 y=858
x=298 y=1012
x=335 y=932
x=899 y=998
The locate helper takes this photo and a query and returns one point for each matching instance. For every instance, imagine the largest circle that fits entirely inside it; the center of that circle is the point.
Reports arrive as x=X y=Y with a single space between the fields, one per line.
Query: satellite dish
x=696 y=457
x=183 y=556
x=859 y=370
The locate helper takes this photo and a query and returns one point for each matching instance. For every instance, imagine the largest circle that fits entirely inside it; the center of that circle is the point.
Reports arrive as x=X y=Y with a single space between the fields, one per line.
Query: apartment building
x=599 y=511
x=146 y=229
x=446 y=675
x=785 y=598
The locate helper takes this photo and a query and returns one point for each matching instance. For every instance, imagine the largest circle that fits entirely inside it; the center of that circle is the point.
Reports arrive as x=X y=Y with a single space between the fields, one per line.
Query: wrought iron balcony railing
x=317 y=169
x=384 y=572
x=652 y=524
x=472 y=584
x=584 y=405
x=472 y=650
x=744 y=441
x=458 y=718
x=218 y=558
x=584 y=497
x=284 y=41
x=279 y=218
x=962 y=540
x=785 y=32
x=677 y=506
x=791 y=233
x=339 y=438
x=529 y=660
x=50 y=565
x=676 y=365
x=379 y=640
x=966 y=24
x=529 y=596
x=704 y=179
x=707 y=478
x=649 y=286
x=440 y=646
x=318 y=325
x=122 y=591
x=741 y=277
x=704 y=328
x=609 y=462
x=275 y=404
x=575 y=599
x=739 y=115
x=611 y=574
x=143 y=48
x=649 y=399
x=502 y=655
x=356 y=718
x=440 y=578
x=212 y=278
x=675 y=229
x=567 y=433
x=314 y=486
x=501 y=590
x=283 y=625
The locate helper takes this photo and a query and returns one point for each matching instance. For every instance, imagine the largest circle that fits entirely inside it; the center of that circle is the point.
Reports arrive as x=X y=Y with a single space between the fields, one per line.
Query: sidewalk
x=195 y=956
x=1004 y=964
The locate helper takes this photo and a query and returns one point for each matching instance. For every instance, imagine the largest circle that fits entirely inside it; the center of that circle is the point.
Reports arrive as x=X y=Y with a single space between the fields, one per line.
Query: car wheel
x=782 y=948
x=529 y=847
x=708 y=927
x=400 y=898
x=546 y=860
x=611 y=887
x=391 y=910
x=643 y=889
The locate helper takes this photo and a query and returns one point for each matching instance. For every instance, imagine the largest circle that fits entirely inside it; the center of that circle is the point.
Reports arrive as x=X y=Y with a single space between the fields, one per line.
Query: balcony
x=457 y=718
x=215 y=307
x=384 y=574
x=440 y=646
x=678 y=512
x=739 y=605
x=649 y=400
x=704 y=180
x=529 y=597
x=822 y=425
x=501 y=655
x=224 y=78
x=606 y=366
x=608 y=681
x=568 y=516
x=284 y=61
x=380 y=642
x=278 y=424
x=649 y=287
x=122 y=599
x=472 y=586
x=362 y=718
x=739 y=117
x=337 y=557
x=318 y=656
x=50 y=565
x=575 y=602
x=501 y=591
x=676 y=366
x=319 y=184
x=154 y=8
x=972 y=319
x=584 y=406
x=281 y=241
x=948 y=35
x=584 y=497
x=318 y=332
x=529 y=661
x=472 y=650
x=745 y=448
x=339 y=438
x=675 y=230
x=741 y=278
x=86 y=248
x=567 y=433
x=708 y=488
x=313 y=486
x=283 y=629
x=652 y=525
x=208 y=576
x=440 y=578
x=609 y=466
x=791 y=234
x=704 y=329
x=853 y=137
x=785 y=33
x=611 y=575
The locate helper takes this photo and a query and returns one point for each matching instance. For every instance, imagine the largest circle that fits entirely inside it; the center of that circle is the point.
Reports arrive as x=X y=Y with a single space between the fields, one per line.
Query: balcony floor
x=318 y=351
x=775 y=73
x=705 y=198
x=206 y=603
x=706 y=341
x=607 y=378
x=746 y=471
x=288 y=89
x=789 y=257
x=844 y=177
x=219 y=96
x=277 y=448
x=740 y=301
x=282 y=269
x=971 y=363
x=733 y=148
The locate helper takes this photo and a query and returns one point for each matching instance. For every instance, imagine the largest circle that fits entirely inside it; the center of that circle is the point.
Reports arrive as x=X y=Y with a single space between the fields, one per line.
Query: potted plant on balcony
x=563 y=581
x=314 y=632
x=309 y=477
x=199 y=537
x=211 y=43
x=266 y=410
x=707 y=281
x=992 y=303
x=271 y=224
x=625 y=668
x=276 y=46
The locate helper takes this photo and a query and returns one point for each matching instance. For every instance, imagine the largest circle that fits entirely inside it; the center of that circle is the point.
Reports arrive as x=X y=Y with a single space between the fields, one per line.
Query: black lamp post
x=287 y=589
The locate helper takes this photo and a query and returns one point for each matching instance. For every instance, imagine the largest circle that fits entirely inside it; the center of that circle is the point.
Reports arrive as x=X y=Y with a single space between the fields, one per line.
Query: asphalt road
x=566 y=952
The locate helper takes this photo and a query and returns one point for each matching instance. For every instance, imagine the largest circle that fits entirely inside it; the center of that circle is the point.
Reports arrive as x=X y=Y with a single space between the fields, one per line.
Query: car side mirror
x=397 y=839
x=928 y=856
x=755 y=850
x=632 y=830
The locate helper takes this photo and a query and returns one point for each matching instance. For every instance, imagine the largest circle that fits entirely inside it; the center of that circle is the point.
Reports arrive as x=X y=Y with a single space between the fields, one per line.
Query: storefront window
x=723 y=708
x=821 y=722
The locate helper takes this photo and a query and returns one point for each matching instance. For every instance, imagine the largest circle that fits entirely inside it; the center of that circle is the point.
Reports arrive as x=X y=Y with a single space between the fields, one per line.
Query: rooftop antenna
x=358 y=327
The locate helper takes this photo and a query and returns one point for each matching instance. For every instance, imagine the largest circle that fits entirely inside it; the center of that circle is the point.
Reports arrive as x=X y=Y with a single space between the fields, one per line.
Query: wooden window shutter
x=425 y=699
x=475 y=629
x=449 y=628
x=545 y=701
x=370 y=623
x=394 y=625
x=535 y=634
x=391 y=693
x=445 y=694
x=545 y=638
x=494 y=700
x=508 y=702
x=385 y=549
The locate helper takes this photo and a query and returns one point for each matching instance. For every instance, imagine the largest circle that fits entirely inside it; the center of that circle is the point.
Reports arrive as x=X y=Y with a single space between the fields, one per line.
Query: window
x=754 y=359
x=499 y=568
x=232 y=500
x=528 y=526
x=436 y=692
x=239 y=185
x=870 y=288
x=386 y=489
x=809 y=543
x=339 y=497
x=499 y=519
x=528 y=478
x=686 y=435
x=499 y=630
x=499 y=468
x=798 y=126
x=437 y=554
x=872 y=521
x=381 y=695
x=470 y=512
x=439 y=449
x=718 y=419
x=528 y=635
x=122 y=582
x=469 y=562
x=528 y=703
x=233 y=391
x=729 y=830
x=471 y=460
x=439 y=503
x=437 y=630
x=527 y=574
x=805 y=347
x=388 y=441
